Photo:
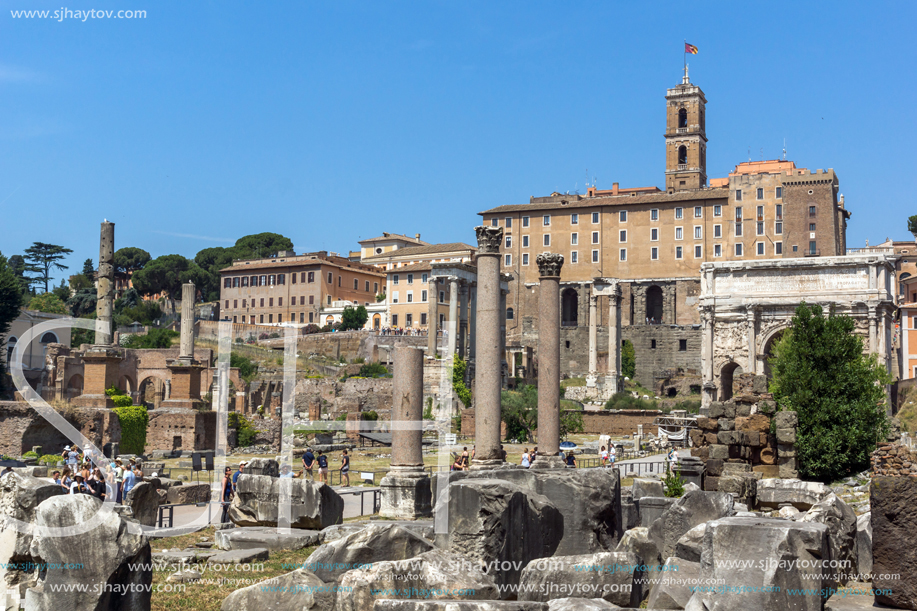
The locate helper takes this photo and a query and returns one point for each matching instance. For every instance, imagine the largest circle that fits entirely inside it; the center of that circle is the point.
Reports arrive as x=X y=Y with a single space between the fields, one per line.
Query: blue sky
x=334 y=121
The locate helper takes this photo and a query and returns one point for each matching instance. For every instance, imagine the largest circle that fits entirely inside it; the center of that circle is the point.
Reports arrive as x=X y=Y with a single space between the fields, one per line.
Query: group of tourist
x=80 y=476
x=402 y=331
x=608 y=456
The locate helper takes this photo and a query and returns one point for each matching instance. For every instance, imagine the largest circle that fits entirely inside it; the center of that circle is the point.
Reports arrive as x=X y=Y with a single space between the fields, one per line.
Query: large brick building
x=656 y=240
x=295 y=288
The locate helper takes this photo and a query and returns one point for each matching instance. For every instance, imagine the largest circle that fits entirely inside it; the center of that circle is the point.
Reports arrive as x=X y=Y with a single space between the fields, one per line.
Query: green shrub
x=458 y=381
x=239 y=340
x=134 y=420
x=628 y=360
x=341 y=418
x=674 y=484
x=245 y=432
x=50 y=459
x=122 y=401
x=359 y=360
x=111 y=391
x=624 y=400
x=30 y=454
x=247 y=369
x=370 y=415
x=155 y=338
x=373 y=370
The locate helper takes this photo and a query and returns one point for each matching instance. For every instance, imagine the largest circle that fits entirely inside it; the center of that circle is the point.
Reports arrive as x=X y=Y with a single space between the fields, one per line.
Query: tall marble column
x=432 y=316
x=706 y=356
x=873 y=343
x=549 y=266
x=472 y=320
x=592 y=376
x=185 y=371
x=406 y=490
x=751 y=322
x=488 y=358
x=453 y=311
x=463 y=320
x=503 y=359
x=614 y=340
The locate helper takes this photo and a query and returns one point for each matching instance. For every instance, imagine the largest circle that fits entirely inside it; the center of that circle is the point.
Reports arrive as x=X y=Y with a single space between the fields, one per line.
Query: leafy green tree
x=79 y=283
x=63 y=291
x=255 y=246
x=912 y=224
x=48 y=302
x=156 y=338
x=628 y=360
x=130 y=259
x=261 y=245
x=166 y=274
x=247 y=369
x=10 y=301
x=458 y=380
x=837 y=392
x=520 y=413
x=41 y=258
x=89 y=270
x=82 y=302
x=354 y=318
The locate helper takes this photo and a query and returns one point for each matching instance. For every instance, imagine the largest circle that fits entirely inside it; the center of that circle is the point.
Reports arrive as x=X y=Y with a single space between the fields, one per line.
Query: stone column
x=472 y=321
x=185 y=384
x=706 y=357
x=549 y=266
x=592 y=376
x=872 y=330
x=614 y=341
x=750 y=320
x=502 y=317
x=463 y=320
x=186 y=346
x=487 y=367
x=106 y=282
x=406 y=490
x=432 y=317
x=453 y=311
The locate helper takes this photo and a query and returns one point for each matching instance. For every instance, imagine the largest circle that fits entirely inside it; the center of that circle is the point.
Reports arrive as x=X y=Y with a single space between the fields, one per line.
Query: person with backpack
x=322 y=467
x=571 y=459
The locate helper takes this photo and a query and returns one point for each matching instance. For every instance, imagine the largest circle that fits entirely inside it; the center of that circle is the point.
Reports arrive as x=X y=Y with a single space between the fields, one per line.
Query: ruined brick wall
x=21 y=428
x=181 y=429
x=620 y=422
x=351 y=396
x=894 y=460
x=668 y=354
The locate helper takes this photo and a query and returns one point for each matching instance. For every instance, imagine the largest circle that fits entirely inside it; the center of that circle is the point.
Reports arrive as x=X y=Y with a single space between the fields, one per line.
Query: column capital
x=593 y=300
x=489 y=239
x=549 y=264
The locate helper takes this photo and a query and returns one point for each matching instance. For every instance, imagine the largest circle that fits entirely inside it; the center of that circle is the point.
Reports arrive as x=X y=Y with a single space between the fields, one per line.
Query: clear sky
x=330 y=122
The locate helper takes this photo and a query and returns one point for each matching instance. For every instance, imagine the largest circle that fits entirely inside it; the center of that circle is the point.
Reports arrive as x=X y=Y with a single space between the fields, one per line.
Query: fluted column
x=488 y=358
x=549 y=266
x=614 y=341
x=593 y=342
x=432 y=317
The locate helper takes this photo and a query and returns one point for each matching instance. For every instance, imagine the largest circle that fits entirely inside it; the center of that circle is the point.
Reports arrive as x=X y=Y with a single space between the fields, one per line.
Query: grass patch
x=572 y=382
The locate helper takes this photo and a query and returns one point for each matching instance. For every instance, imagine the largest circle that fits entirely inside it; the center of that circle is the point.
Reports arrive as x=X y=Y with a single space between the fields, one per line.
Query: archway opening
x=682 y=118
x=769 y=351
x=377 y=322
x=569 y=307
x=727 y=374
x=682 y=155
x=151 y=392
x=654 y=304
x=671 y=392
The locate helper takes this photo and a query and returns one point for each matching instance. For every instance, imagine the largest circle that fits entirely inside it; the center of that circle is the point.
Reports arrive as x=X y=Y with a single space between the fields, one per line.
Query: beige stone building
x=295 y=288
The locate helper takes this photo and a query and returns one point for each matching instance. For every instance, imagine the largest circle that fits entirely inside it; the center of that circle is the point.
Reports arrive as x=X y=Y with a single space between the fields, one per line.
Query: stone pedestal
x=100 y=371
x=185 y=384
x=406 y=489
x=691 y=470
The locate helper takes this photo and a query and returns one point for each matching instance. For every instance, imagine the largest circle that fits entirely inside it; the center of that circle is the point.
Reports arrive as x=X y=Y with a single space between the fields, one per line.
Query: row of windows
x=679 y=253
x=759 y=193
x=270 y=302
x=270 y=318
x=409 y=278
x=409 y=319
x=423 y=297
x=279 y=279
x=654 y=213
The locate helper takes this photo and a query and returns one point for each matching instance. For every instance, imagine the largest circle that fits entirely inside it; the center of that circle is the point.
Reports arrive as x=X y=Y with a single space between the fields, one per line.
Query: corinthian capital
x=549 y=264
x=489 y=239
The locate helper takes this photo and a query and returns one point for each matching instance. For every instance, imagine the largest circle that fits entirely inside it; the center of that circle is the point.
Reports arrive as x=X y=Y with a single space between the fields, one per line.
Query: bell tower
x=685 y=137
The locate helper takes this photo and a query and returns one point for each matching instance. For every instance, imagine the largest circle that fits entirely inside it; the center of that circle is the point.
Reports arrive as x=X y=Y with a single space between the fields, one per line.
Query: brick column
x=488 y=358
x=549 y=266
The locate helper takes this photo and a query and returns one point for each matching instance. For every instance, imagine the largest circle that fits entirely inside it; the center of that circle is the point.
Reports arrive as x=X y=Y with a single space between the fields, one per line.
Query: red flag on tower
x=690 y=49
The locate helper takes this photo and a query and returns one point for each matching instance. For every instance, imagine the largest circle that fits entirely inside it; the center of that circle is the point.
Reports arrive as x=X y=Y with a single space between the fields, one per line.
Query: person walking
x=345 y=468
x=308 y=461
x=119 y=479
x=603 y=454
x=226 y=494
x=322 y=467
x=612 y=455
x=130 y=480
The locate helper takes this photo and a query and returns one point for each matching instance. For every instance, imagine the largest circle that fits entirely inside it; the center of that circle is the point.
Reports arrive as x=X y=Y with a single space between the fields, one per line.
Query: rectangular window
x=226 y=307
x=525 y=221
x=717 y=250
x=270 y=302
x=494 y=223
x=574 y=219
x=760 y=247
x=546 y=220
x=717 y=231
x=280 y=301
x=595 y=237
x=423 y=318
x=525 y=241
x=525 y=258
x=423 y=278
x=738 y=250
x=311 y=276
x=679 y=213
x=410 y=278
x=302 y=317
x=654 y=234
x=356 y=284
x=738 y=228
x=652 y=344
x=311 y=299
x=698 y=212
x=682 y=345
x=261 y=319
x=678 y=252
x=423 y=296
x=574 y=238
x=270 y=318
x=738 y=195
x=281 y=278
x=595 y=256
x=622 y=236
x=812 y=211
x=738 y=213
x=574 y=257
x=811 y=226
x=376 y=285
x=717 y=210
x=367 y=286
x=244 y=281
x=339 y=281
x=235 y=282
x=698 y=232
x=778 y=192
x=394 y=296
x=654 y=214
x=760 y=213
x=509 y=222
x=654 y=253
x=293 y=278
x=697 y=252
x=547 y=239
x=245 y=303
x=330 y=277
x=509 y=241
x=280 y=318
x=395 y=279
x=679 y=233
x=271 y=279
x=410 y=296
x=508 y=260
x=760 y=193
x=622 y=216
x=263 y=281
x=595 y=218
x=408 y=319
x=394 y=320
x=812 y=249
x=442 y=296
x=778 y=228
x=778 y=248
x=227 y=283
x=779 y=212
x=760 y=227
x=262 y=302
x=622 y=254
